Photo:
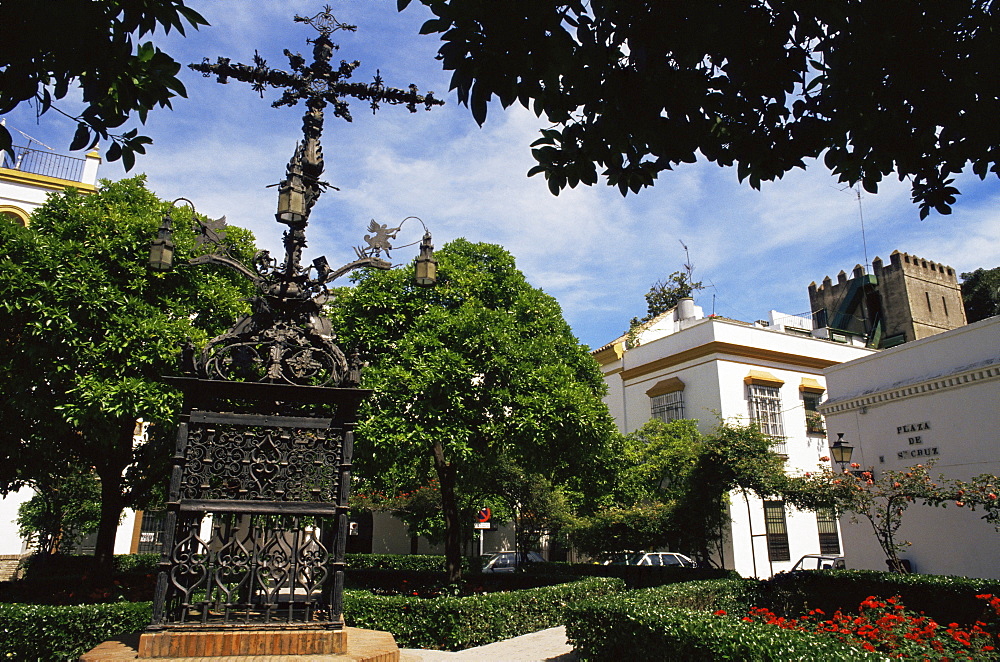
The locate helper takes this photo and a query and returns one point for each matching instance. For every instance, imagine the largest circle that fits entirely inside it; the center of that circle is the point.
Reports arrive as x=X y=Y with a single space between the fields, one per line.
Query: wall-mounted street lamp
x=841 y=452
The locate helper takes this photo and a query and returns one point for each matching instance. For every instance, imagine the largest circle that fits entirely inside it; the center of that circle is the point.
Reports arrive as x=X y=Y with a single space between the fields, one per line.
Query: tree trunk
x=112 y=504
x=449 y=505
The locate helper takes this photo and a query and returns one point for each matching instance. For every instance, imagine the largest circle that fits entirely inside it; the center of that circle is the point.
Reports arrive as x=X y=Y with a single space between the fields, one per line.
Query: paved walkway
x=543 y=646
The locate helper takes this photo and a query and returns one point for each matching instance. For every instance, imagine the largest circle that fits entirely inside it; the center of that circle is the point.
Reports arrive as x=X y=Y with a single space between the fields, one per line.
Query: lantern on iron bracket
x=425 y=267
x=161 y=250
x=291 y=204
x=841 y=452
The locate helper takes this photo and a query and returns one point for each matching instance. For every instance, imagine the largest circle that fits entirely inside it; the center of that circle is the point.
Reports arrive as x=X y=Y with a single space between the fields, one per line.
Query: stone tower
x=908 y=299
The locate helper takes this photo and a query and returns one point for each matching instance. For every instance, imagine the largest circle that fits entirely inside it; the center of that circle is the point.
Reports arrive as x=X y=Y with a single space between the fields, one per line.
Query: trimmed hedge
x=45 y=633
x=432 y=583
x=47 y=566
x=947 y=599
x=634 y=576
x=137 y=562
x=417 y=562
x=455 y=623
x=643 y=626
x=735 y=596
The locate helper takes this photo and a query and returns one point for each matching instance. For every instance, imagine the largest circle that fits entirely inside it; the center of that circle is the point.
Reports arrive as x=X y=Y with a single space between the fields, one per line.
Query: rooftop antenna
x=3 y=122
x=861 y=215
x=688 y=267
x=24 y=152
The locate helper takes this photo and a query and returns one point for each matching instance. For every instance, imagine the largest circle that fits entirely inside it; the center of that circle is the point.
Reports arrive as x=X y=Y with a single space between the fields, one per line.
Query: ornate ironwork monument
x=257 y=512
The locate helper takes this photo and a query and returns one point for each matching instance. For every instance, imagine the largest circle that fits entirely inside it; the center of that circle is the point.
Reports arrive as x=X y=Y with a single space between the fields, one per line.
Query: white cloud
x=596 y=252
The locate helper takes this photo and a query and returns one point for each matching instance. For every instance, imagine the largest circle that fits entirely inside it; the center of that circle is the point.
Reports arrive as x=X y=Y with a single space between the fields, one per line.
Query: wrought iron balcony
x=46 y=163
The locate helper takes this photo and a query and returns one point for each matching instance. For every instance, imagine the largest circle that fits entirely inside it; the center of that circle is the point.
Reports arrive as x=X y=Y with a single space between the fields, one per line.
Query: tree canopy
x=637 y=87
x=49 y=48
x=672 y=487
x=981 y=294
x=87 y=331
x=478 y=383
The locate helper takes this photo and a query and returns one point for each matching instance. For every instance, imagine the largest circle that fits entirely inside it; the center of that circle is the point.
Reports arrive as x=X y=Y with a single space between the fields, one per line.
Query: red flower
x=721 y=612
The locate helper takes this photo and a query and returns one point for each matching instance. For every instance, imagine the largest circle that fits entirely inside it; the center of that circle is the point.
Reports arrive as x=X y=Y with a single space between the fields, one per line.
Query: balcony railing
x=49 y=164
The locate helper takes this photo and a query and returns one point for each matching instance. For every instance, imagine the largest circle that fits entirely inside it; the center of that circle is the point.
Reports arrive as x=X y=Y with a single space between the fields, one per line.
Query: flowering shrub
x=882 y=498
x=886 y=626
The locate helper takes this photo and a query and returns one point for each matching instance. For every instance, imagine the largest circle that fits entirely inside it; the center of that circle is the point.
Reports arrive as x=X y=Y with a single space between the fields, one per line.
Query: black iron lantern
x=161 y=251
x=291 y=204
x=425 y=271
x=840 y=451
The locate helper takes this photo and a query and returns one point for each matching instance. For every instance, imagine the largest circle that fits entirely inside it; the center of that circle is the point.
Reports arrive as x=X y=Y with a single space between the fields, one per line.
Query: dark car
x=507 y=561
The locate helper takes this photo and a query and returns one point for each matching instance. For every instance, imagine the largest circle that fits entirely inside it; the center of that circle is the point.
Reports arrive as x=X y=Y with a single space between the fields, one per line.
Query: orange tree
x=635 y=87
x=479 y=383
x=87 y=331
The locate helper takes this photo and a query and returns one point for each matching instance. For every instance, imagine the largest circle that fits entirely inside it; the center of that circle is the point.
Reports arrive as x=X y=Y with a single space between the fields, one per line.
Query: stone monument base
x=355 y=645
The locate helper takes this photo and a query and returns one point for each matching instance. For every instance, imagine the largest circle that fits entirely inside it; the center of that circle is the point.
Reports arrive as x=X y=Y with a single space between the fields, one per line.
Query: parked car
x=820 y=562
x=652 y=558
x=506 y=561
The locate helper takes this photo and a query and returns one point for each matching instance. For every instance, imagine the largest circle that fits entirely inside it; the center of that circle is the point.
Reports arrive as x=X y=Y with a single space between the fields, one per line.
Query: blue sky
x=596 y=252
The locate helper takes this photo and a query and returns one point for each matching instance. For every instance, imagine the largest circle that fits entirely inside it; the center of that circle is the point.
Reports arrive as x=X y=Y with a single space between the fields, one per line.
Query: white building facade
x=932 y=400
x=683 y=365
x=28 y=177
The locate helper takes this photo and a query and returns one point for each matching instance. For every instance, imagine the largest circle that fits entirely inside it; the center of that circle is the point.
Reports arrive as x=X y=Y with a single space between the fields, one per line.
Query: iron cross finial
x=317 y=84
x=325 y=23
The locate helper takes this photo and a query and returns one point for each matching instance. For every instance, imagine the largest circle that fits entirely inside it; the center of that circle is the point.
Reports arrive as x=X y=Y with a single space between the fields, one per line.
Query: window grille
x=829 y=539
x=151 y=532
x=765 y=411
x=777 y=531
x=667 y=407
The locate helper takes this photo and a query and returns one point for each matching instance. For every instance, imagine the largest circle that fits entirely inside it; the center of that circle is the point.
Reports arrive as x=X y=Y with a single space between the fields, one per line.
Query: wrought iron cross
x=318 y=84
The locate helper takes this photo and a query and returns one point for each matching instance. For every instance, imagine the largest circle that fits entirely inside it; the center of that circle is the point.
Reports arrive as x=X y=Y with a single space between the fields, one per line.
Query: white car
x=820 y=562
x=653 y=558
x=507 y=561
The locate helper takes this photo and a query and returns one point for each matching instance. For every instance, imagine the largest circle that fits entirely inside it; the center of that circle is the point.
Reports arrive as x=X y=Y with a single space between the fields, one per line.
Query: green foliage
x=622 y=529
x=93 y=46
x=673 y=486
x=455 y=623
x=434 y=583
x=642 y=625
x=87 y=333
x=419 y=509
x=634 y=576
x=666 y=294
x=882 y=498
x=981 y=294
x=42 y=566
x=637 y=87
x=946 y=598
x=422 y=562
x=136 y=562
x=46 y=633
x=888 y=627
x=64 y=509
x=476 y=378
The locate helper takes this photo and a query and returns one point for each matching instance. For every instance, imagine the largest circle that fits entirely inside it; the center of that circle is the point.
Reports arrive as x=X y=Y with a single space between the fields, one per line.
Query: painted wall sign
x=919 y=452
x=915 y=440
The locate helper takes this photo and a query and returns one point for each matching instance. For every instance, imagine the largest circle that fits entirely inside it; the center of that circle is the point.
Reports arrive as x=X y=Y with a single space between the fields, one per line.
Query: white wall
x=712 y=357
x=936 y=399
x=10 y=541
